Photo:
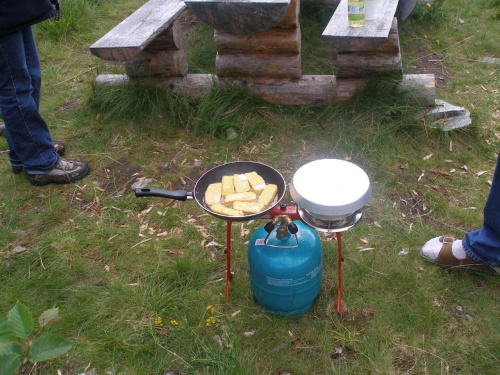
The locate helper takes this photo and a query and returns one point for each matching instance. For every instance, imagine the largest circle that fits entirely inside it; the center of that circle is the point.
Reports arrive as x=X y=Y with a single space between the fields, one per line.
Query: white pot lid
x=330 y=188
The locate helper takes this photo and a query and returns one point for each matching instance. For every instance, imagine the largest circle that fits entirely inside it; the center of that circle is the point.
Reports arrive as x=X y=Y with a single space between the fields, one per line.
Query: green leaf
x=9 y=363
x=48 y=316
x=21 y=320
x=48 y=347
x=7 y=335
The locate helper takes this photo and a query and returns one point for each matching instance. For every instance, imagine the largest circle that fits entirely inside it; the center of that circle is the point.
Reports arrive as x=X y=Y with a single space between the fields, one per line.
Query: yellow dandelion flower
x=429 y=48
x=158 y=321
x=207 y=324
x=209 y=307
x=174 y=322
x=428 y=5
x=437 y=41
x=425 y=36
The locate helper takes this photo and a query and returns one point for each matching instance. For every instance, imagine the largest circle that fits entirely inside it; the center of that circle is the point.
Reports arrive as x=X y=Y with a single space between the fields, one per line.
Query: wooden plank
x=310 y=89
x=168 y=63
x=239 y=16
x=345 y=38
x=365 y=64
x=272 y=41
x=133 y=34
x=258 y=65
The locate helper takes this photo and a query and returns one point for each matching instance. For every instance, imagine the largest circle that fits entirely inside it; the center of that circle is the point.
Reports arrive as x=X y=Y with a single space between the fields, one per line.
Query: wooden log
x=345 y=38
x=132 y=35
x=308 y=90
x=258 y=65
x=365 y=64
x=272 y=41
x=391 y=44
x=239 y=16
x=290 y=19
x=169 y=39
x=168 y=63
x=421 y=86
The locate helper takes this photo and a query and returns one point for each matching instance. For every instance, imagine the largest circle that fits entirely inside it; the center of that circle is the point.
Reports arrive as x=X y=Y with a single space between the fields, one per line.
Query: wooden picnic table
x=258 y=45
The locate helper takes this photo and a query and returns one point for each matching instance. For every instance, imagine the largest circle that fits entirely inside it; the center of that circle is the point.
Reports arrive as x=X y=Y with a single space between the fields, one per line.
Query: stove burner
x=330 y=226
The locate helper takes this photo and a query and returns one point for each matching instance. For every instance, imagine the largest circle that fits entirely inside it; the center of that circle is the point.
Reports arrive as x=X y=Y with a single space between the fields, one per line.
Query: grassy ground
x=114 y=263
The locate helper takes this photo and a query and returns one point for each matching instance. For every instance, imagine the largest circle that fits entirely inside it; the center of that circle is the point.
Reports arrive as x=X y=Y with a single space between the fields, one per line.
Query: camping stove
x=329 y=195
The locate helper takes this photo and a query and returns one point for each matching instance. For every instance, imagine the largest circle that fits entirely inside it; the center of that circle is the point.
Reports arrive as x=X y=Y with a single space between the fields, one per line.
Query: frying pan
x=269 y=174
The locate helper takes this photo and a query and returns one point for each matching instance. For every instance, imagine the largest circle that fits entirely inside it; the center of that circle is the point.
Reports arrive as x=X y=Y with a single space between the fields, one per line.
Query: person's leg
x=27 y=134
x=33 y=64
x=483 y=245
x=480 y=249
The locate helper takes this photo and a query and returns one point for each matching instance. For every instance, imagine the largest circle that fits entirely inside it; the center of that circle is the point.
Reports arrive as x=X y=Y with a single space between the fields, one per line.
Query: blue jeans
x=28 y=137
x=483 y=245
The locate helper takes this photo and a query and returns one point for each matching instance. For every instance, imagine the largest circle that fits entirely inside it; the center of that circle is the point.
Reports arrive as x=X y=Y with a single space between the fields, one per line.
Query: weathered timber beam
x=239 y=16
x=273 y=41
x=290 y=19
x=258 y=65
x=308 y=90
x=168 y=63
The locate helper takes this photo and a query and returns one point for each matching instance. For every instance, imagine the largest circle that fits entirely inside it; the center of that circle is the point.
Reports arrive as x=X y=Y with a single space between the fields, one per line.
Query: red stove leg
x=339 y=293
x=228 y=256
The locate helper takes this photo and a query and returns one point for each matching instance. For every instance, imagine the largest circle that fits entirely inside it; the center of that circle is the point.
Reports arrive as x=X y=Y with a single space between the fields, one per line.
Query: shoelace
x=65 y=164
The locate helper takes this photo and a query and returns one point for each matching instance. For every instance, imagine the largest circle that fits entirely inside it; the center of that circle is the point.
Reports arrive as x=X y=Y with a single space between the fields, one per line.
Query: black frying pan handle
x=180 y=195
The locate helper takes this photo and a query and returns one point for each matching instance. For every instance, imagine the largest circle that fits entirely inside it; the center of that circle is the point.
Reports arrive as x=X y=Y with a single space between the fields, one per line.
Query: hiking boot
x=63 y=173
x=59 y=147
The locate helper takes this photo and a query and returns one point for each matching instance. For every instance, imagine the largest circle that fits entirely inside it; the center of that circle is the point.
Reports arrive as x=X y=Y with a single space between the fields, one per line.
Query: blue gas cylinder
x=285 y=271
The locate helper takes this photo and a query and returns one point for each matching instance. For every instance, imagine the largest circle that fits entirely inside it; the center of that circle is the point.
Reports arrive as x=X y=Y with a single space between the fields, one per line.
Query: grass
x=93 y=250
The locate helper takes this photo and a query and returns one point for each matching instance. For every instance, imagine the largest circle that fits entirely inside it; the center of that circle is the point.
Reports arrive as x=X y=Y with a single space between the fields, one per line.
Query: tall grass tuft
x=235 y=108
x=75 y=17
x=140 y=103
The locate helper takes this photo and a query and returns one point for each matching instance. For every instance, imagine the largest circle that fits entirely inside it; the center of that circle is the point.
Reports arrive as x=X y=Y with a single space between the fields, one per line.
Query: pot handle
x=180 y=195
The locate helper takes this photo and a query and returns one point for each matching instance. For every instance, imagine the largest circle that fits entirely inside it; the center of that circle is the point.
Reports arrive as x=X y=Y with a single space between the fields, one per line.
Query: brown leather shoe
x=446 y=259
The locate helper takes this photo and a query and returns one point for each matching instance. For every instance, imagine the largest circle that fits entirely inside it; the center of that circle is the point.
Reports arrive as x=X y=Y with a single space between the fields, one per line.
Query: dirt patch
x=117 y=177
x=67 y=106
x=428 y=62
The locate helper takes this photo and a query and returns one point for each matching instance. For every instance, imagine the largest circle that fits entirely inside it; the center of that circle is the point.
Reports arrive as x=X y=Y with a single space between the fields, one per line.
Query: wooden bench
x=149 y=40
x=267 y=62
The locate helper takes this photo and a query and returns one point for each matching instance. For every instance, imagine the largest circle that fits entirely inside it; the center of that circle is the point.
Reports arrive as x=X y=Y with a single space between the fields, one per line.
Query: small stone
x=250 y=333
x=141 y=183
x=18 y=250
x=459 y=310
x=231 y=134
x=490 y=60
x=197 y=163
x=469 y=318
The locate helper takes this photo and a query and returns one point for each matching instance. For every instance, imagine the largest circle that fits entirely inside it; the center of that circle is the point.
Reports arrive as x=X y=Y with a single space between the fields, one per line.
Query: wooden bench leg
x=382 y=59
x=164 y=56
x=273 y=53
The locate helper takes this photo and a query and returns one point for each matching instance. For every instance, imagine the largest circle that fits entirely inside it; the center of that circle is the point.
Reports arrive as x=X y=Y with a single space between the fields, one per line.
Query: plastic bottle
x=371 y=9
x=356 y=12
